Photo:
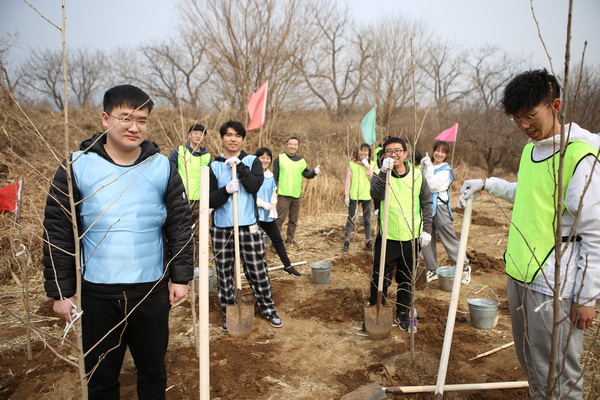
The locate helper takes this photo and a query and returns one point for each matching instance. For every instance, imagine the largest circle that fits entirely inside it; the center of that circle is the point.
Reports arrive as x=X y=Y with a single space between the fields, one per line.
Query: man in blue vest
x=134 y=223
x=247 y=183
x=532 y=102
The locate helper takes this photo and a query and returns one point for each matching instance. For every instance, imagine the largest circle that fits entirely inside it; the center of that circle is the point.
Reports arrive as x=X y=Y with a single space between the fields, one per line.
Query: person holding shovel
x=289 y=169
x=532 y=102
x=266 y=200
x=247 y=183
x=409 y=225
x=439 y=177
x=188 y=159
x=134 y=222
x=356 y=191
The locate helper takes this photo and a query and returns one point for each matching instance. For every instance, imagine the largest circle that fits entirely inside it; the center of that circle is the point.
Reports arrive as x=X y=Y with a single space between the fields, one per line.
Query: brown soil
x=320 y=352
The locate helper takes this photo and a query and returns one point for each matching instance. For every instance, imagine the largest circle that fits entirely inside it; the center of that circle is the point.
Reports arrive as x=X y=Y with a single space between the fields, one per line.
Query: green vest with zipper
x=405 y=207
x=360 y=185
x=290 y=176
x=531 y=234
x=188 y=166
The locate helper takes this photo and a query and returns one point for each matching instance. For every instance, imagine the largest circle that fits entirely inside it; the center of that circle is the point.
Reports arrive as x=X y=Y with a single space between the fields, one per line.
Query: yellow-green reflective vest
x=360 y=185
x=531 y=234
x=404 y=219
x=188 y=166
x=290 y=176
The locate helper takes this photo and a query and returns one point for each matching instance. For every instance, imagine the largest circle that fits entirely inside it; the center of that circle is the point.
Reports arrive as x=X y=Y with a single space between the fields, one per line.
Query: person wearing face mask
x=266 y=200
x=439 y=178
x=532 y=102
x=356 y=192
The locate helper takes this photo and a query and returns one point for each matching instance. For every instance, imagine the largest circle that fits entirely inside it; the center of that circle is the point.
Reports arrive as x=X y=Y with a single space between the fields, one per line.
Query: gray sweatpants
x=443 y=226
x=532 y=335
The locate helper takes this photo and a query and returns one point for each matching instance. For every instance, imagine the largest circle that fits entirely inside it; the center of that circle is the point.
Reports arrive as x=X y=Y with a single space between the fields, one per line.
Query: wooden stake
x=487 y=353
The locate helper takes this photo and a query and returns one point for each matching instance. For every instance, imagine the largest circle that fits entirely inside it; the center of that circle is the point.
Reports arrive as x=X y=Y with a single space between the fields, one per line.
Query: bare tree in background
x=587 y=94
x=248 y=42
x=7 y=42
x=389 y=85
x=42 y=74
x=335 y=69
x=86 y=74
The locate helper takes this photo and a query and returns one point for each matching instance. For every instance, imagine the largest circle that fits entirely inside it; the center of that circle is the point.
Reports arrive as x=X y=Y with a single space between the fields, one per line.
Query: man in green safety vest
x=532 y=102
x=189 y=158
x=289 y=169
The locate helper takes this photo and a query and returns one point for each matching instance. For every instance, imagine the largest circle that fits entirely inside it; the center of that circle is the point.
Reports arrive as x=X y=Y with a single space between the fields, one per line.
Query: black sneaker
x=224 y=326
x=274 y=320
x=402 y=322
x=292 y=271
x=369 y=245
x=363 y=327
x=346 y=246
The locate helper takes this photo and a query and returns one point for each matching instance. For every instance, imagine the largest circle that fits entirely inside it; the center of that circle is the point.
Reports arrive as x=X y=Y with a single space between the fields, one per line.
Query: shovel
x=378 y=318
x=240 y=317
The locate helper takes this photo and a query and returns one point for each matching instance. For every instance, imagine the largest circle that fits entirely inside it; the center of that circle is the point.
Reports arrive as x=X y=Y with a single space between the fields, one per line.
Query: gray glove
x=470 y=188
x=233 y=186
x=426 y=162
x=387 y=165
x=232 y=160
x=317 y=169
x=425 y=239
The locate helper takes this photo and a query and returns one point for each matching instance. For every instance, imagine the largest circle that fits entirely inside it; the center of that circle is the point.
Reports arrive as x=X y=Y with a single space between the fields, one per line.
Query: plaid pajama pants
x=253 y=263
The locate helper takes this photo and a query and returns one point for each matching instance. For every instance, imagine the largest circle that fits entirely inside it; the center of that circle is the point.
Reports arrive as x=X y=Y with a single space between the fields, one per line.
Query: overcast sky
x=470 y=23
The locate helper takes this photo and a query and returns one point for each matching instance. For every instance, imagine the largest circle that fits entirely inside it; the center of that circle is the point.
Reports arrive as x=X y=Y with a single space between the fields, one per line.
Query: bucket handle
x=480 y=288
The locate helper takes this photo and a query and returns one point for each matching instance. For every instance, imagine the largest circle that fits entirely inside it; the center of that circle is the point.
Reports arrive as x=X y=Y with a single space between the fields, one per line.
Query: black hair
x=418 y=157
x=262 y=151
x=293 y=137
x=359 y=148
x=197 y=127
x=391 y=140
x=126 y=96
x=235 y=125
x=528 y=89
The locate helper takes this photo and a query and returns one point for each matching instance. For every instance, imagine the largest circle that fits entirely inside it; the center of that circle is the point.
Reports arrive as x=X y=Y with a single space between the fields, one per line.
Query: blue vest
x=265 y=193
x=122 y=213
x=435 y=196
x=223 y=216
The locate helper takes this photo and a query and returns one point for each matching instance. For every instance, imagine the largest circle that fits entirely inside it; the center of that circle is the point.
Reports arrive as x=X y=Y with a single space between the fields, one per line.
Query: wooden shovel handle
x=386 y=212
x=236 y=236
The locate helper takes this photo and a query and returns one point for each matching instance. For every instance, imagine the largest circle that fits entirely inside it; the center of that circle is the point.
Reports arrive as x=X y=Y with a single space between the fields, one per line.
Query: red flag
x=9 y=197
x=449 y=135
x=257 y=108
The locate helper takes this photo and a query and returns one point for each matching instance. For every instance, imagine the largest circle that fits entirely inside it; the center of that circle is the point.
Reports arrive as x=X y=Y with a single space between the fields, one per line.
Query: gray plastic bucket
x=445 y=277
x=483 y=312
x=212 y=280
x=321 y=271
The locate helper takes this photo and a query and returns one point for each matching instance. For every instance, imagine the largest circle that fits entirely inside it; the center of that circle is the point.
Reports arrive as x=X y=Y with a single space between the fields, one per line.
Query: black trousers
x=272 y=230
x=399 y=256
x=145 y=332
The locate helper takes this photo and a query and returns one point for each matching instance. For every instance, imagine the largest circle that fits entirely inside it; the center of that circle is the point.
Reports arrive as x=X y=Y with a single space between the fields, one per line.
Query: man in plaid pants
x=247 y=183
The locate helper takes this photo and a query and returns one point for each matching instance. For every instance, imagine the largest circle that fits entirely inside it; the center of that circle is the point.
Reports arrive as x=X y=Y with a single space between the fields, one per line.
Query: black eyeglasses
x=395 y=151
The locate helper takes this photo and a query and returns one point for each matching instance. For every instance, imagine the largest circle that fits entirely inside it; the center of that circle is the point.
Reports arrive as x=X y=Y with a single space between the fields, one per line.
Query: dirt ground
x=320 y=352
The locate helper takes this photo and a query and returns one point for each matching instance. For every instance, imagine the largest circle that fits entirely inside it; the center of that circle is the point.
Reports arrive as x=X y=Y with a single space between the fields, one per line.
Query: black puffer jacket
x=59 y=244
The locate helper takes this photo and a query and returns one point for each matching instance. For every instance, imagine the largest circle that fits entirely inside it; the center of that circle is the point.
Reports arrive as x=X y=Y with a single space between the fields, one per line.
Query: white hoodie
x=585 y=289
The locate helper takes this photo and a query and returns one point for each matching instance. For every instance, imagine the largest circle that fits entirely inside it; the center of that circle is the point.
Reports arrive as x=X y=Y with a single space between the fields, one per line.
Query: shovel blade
x=378 y=321
x=373 y=391
x=240 y=319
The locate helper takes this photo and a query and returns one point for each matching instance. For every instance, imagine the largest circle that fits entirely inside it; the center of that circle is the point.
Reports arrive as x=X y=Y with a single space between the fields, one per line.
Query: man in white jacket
x=532 y=102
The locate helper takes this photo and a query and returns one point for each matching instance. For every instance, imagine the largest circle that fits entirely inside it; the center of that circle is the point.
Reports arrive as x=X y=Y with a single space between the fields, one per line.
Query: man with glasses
x=532 y=102
x=409 y=225
x=135 y=247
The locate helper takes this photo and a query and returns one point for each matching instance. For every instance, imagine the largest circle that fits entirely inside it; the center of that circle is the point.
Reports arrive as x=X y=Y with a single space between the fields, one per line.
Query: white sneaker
x=466 y=276
x=431 y=276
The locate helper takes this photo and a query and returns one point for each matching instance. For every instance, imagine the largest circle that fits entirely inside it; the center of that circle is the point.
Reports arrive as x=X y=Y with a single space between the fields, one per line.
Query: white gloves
x=232 y=160
x=387 y=165
x=425 y=239
x=365 y=162
x=273 y=213
x=426 y=162
x=263 y=204
x=470 y=188
x=233 y=186
x=347 y=202
x=317 y=169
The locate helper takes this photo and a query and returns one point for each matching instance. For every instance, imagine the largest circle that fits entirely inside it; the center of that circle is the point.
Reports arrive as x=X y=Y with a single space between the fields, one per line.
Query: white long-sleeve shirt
x=580 y=264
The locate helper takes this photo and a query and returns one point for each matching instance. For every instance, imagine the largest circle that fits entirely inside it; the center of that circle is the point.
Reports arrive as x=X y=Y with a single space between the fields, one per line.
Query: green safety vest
x=360 y=185
x=531 y=234
x=188 y=166
x=290 y=176
x=405 y=207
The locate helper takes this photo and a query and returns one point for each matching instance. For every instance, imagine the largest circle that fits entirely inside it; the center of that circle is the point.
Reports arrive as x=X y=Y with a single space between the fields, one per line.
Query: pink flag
x=449 y=135
x=9 y=197
x=257 y=108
